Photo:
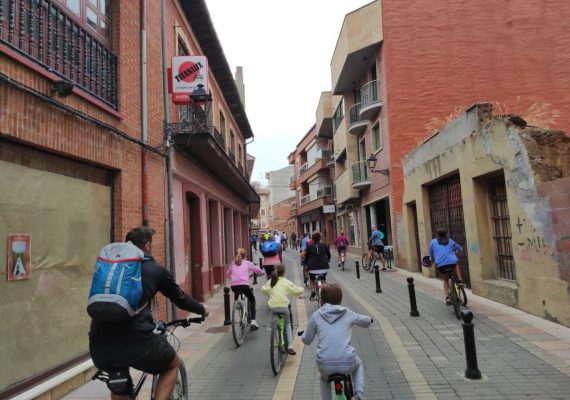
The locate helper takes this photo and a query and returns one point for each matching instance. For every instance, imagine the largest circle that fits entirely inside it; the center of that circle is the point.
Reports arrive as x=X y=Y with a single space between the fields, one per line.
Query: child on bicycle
x=341 y=243
x=443 y=252
x=279 y=289
x=335 y=354
x=239 y=271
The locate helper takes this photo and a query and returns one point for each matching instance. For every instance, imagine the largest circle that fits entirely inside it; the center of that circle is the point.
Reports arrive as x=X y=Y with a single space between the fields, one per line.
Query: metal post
x=412 y=291
x=227 y=320
x=357 y=270
x=377 y=277
x=472 y=371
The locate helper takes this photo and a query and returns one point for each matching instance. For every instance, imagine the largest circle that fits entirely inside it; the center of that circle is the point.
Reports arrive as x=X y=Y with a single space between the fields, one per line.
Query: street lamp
x=201 y=100
x=372 y=160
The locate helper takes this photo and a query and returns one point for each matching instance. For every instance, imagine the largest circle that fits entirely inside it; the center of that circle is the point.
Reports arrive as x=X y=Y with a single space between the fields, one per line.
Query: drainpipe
x=167 y=139
x=144 y=110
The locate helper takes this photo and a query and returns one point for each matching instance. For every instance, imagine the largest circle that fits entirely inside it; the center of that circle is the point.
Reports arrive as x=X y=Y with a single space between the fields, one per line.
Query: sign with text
x=19 y=257
x=188 y=75
x=329 y=209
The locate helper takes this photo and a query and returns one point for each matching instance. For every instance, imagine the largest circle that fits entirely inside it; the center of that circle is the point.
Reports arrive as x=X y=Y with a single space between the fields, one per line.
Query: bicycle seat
x=337 y=377
x=279 y=314
x=321 y=277
x=118 y=380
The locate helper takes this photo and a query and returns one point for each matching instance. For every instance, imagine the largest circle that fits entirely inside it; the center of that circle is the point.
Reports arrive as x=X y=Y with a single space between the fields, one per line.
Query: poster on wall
x=19 y=257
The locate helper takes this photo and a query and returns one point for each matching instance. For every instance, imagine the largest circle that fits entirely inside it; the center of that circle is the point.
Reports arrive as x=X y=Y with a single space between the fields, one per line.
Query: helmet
x=427 y=261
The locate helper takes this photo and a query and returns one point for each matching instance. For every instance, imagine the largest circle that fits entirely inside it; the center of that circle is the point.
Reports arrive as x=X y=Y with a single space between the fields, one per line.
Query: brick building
x=82 y=161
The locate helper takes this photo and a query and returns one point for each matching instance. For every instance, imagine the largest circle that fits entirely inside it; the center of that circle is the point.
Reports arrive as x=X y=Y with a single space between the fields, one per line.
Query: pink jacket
x=339 y=239
x=240 y=273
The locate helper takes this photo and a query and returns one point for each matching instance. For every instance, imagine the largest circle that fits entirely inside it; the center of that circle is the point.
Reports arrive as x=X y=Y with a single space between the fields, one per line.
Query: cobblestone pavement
x=519 y=355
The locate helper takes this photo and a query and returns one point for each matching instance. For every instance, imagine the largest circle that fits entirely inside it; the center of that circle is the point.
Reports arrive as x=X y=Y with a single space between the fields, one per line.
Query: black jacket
x=317 y=256
x=154 y=279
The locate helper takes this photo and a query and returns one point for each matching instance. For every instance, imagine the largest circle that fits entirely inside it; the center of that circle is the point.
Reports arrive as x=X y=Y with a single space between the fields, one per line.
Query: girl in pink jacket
x=239 y=271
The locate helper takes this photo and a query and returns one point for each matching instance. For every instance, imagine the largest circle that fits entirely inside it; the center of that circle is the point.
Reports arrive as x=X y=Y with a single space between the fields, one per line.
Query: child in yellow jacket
x=279 y=289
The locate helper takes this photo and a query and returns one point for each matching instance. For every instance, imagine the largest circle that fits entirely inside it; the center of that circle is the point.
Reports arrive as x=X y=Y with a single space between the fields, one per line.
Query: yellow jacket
x=279 y=294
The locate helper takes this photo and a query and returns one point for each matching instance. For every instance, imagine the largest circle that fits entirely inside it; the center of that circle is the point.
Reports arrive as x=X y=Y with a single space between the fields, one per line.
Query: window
x=377 y=137
x=92 y=14
x=182 y=49
x=239 y=156
x=232 y=140
x=222 y=125
x=338 y=115
x=502 y=227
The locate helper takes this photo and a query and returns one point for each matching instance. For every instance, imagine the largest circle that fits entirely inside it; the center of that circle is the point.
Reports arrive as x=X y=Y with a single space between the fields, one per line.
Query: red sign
x=19 y=257
x=187 y=75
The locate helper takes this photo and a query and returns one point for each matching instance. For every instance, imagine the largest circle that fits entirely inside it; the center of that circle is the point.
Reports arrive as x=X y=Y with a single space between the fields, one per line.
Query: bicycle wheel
x=343 y=265
x=238 y=323
x=373 y=262
x=463 y=296
x=275 y=347
x=454 y=298
x=180 y=391
x=365 y=263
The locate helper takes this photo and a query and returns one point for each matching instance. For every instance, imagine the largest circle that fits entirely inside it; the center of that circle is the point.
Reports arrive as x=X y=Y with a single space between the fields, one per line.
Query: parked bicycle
x=279 y=345
x=119 y=380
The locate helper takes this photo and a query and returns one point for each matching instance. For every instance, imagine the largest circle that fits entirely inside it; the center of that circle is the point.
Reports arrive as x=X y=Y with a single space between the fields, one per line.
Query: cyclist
x=376 y=244
x=270 y=261
x=341 y=243
x=303 y=248
x=284 y=241
x=133 y=343
x=239 y=271
x=293 y=241
x=254 y=239
x=317 y=257
x=443 y=252
x=335 y=354
x=279 y=289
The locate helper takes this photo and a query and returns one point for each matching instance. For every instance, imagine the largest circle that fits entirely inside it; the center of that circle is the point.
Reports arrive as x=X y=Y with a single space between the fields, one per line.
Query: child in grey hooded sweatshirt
x=335 y=354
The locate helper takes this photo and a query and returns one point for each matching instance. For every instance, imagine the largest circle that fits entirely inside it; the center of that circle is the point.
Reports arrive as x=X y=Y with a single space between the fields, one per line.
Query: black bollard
x=357 y=270
x=472 y=371
x=377 y=276
x=412 y=291
x=227 y=320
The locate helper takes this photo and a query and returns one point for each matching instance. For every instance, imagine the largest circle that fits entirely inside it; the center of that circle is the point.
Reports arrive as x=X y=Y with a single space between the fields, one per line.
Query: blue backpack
x=116 y=288
x=269 y=248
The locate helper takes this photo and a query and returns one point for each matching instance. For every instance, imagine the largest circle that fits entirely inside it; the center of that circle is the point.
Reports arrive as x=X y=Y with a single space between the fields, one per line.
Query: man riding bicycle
x=133 y=343
x=341 y=243
x=443 y=252
x=376 y=244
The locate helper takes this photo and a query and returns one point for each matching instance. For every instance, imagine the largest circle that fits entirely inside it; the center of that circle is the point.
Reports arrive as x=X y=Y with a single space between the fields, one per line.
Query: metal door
x=446 y=211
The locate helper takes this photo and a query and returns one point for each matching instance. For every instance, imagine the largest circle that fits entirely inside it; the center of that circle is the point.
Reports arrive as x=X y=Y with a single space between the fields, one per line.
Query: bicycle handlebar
x=185 y=322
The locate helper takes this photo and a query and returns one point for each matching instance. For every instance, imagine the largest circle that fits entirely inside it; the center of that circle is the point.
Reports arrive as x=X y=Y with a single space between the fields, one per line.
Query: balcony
x=42 y=32
x=344 y=189
x=370 y=104
x=357 y=43
x=293 y=211
x=360 y=178
x=330 y=160
x=319 y=165
x=324 y=116
x=305 y=200
x=356 y=124
x=292 y=182
x=197 y=140
x=220 y=139
x=309 y=204
x=304 y=168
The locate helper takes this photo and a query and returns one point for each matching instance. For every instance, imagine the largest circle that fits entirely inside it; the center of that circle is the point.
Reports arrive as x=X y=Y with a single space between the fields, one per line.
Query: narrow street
x=519 y=355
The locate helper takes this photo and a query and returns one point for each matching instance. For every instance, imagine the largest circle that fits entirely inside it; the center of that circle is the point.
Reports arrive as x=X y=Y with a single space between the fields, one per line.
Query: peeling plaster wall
x=477 y=147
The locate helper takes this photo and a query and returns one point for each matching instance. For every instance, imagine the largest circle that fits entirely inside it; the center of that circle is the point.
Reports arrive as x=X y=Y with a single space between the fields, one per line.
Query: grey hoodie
x=333 y=324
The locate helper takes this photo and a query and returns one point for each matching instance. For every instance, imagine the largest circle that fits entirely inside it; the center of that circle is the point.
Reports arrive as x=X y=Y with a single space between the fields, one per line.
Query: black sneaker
x=313 y=295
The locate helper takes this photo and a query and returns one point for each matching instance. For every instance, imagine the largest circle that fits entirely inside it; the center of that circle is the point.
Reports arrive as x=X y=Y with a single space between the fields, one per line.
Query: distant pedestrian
x=293 y=241
x=254 y=239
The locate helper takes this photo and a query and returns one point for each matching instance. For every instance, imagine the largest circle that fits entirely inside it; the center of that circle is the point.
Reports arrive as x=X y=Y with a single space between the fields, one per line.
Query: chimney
x=239 y=83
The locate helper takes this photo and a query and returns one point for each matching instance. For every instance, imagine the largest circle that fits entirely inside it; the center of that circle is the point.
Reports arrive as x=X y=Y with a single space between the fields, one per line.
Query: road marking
x=415 y=378
x=288 y=375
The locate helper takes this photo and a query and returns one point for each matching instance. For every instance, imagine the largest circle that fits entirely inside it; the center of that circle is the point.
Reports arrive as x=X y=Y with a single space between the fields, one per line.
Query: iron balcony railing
x=219 y=138
x=354 y=116
x=325 y=191
x=293 y=205
x=41 y=31
x=231 y=154
x=305 y=199
x=359 y=172
x=369 y=94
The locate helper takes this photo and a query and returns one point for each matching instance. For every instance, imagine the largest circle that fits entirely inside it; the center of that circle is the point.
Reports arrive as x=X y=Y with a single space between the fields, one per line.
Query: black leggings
x=246 y=290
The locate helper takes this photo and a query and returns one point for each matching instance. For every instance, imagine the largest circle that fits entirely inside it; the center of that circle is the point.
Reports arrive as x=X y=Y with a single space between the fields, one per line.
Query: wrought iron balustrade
x=359 y=172
x=369 y=94
x=354 y=114
x=219 y=137
x=303 y=169
x=41 y=31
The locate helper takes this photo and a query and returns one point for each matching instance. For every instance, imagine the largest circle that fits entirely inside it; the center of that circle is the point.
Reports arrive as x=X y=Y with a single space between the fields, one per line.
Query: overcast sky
x=285 y=49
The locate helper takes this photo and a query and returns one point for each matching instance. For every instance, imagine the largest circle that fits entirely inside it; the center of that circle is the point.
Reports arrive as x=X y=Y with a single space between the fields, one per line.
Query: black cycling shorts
x=446 y=269
x=313 y=277
x=269 y=269
x=153 y=356
x=378 y=248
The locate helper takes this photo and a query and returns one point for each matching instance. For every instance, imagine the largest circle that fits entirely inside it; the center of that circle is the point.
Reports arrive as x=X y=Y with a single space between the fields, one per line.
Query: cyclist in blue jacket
x=443 y=252
x=377 y=245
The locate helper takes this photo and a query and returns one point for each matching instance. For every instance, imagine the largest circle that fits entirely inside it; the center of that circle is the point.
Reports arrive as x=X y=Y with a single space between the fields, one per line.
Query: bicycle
x=457 y=295
x=319 y=279
x=279 y=345
x=241 y=317
x=342 y=258
x=119 y=380
x=368 y=265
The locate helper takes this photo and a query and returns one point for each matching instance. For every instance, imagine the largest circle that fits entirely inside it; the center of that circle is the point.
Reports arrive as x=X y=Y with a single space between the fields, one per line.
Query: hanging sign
x=328 y=209
x=19 y=257
x=188 y=74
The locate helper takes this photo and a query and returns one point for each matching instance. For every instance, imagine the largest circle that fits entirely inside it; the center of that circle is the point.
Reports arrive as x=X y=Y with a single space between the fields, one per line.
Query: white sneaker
x=254 y=324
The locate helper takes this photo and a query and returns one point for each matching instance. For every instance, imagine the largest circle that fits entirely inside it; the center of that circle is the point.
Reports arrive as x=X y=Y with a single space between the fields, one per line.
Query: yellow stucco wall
x=492 y=148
